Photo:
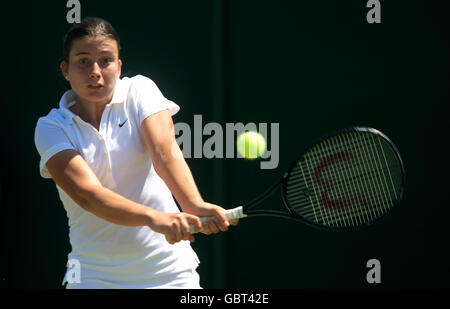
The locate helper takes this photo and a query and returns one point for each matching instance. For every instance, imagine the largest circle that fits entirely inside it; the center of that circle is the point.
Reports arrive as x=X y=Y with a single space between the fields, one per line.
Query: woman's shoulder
x=138 y=81
x=48 y=127
x=144 y=96
x=55 y=117
x=140 y=86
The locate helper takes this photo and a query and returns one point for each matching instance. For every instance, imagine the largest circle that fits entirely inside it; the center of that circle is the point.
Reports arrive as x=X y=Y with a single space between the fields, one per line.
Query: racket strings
x=379 y=197
x=357 y=215
x=351 y=214
x=298 y=191
x=345 y=180
x=348 y=215
x=361 y=163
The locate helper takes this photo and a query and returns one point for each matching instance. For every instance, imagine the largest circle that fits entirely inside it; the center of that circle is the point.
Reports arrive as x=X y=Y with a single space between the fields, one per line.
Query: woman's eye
x=83 y=61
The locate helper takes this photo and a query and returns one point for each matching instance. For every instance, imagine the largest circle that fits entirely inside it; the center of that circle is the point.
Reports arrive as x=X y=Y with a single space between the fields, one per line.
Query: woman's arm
x=159 y=135
x=72 y=174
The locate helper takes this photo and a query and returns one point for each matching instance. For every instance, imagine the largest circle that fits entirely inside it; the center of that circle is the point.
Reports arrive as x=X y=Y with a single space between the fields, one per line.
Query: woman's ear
x=120 y=68
x=64 y=69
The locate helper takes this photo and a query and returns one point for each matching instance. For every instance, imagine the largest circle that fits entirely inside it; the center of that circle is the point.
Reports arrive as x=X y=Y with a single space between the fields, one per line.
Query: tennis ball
x=251 y=145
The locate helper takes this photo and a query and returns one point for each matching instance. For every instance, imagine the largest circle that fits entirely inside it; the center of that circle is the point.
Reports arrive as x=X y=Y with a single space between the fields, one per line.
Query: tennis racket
x=344 y=180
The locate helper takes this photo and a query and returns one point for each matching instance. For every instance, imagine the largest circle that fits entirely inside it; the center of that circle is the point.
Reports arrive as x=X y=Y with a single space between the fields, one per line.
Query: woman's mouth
x=95 y=86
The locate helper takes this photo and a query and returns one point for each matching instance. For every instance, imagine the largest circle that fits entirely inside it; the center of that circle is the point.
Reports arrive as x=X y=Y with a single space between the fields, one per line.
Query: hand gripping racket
x=344 y=180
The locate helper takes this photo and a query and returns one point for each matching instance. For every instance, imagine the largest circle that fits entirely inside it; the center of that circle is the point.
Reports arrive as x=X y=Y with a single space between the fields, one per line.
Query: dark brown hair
x=89 y=27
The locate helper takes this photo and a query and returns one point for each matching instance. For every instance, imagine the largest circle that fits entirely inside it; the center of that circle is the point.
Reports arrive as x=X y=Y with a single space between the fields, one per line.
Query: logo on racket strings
x=341 y=202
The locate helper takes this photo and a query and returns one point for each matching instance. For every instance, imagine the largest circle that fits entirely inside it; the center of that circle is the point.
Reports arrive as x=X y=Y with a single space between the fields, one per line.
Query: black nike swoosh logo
x=121 y=124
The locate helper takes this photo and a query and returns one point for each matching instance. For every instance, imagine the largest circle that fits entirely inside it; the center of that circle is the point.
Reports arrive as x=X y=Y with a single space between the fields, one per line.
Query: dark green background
x=311 y=66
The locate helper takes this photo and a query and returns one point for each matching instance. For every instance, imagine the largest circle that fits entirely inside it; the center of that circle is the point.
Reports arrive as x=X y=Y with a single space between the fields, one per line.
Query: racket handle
x=232 y=214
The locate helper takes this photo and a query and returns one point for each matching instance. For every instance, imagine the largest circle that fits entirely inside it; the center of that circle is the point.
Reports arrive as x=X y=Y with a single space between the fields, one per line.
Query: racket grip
x=232 y=214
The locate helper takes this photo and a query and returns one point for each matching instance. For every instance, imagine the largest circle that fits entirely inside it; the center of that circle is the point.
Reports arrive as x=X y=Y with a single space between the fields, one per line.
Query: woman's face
x=93 y=68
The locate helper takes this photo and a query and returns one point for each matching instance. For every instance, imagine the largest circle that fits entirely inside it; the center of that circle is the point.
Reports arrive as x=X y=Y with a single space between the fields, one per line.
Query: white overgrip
x=232 y=214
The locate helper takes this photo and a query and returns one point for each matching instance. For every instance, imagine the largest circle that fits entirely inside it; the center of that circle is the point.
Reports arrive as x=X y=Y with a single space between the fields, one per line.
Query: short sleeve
x=150 y=100
x=49 y=139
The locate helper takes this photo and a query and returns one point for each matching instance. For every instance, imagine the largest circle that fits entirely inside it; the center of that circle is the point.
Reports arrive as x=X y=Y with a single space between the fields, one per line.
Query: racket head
x=345 y=180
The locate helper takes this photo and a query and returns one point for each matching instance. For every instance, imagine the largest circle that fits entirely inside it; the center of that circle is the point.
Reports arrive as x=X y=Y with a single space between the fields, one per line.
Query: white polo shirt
x=111 y=255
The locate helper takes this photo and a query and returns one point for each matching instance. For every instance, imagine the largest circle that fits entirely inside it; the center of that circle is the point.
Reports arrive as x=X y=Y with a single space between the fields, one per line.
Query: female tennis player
x=111 y=150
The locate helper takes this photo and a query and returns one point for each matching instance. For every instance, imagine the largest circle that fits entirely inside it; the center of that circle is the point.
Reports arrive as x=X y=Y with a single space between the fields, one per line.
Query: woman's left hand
x=216 y=219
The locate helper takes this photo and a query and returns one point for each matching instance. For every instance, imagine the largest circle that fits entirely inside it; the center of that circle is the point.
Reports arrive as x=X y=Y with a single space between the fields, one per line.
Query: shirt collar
x=68 y=99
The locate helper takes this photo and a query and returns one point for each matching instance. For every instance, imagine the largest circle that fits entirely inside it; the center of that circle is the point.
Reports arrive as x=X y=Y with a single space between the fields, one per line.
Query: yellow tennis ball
x=251 y=145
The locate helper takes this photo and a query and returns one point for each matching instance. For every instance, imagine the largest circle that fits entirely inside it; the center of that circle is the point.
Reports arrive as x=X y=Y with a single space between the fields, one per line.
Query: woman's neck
x=90 y=112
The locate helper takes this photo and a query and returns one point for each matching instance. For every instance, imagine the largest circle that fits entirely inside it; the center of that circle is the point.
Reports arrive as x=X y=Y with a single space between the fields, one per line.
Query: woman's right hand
x=175 y=226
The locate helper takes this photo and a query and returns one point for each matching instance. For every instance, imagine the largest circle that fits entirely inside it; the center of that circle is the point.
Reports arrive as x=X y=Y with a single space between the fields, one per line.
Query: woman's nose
x=95 y=73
